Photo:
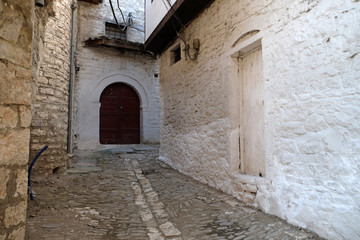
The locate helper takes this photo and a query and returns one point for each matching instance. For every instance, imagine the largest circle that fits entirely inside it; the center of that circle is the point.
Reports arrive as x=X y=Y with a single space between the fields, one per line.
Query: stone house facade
x=99 y=66
x=104 y=64
x=267 y=108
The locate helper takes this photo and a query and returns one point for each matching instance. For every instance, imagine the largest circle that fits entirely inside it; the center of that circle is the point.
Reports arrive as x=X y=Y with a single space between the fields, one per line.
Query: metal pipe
x=29 y=171
x=71 y=82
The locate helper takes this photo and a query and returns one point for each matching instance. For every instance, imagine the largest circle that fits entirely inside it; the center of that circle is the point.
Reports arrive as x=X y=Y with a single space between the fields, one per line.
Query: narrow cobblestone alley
x=126 y=193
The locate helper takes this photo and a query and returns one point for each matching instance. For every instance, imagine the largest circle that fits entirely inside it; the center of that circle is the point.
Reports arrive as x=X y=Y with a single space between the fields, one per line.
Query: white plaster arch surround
x=89 y=111
x=121 y=78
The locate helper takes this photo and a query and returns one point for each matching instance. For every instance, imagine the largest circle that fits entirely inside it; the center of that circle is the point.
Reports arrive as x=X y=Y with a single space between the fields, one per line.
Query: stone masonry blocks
x=4 y=177
x=50 y=112
x=14 y=147
x=8 y=118
x=17 y=234
x=16 y=27
x=15 y=215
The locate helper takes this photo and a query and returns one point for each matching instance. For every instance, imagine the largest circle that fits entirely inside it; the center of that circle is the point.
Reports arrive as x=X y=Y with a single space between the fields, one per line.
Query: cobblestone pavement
x=126 y=193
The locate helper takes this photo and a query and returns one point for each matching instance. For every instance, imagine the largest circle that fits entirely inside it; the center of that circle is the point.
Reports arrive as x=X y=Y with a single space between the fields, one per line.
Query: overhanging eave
x=181 y=14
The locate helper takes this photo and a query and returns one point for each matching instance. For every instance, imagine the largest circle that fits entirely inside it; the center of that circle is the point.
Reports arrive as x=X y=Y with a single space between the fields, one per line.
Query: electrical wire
x=167 y=7
x=166 y=2
x=117 y=22
x=126 y=24
x=175 y=15
x=187 y=46
x=118 y=5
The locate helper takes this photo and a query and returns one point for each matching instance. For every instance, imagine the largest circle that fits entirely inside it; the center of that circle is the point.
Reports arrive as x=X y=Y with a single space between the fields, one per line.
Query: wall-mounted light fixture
x=39 y=3
x=195 y=47
x=196 y=44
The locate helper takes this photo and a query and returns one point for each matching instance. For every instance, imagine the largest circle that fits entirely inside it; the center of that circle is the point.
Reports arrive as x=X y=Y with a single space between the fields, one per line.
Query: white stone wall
x=102 y=66
x=311 y=77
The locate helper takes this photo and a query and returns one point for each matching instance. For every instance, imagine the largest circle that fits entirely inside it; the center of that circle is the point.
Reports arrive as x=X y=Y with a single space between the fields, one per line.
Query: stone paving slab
x=144 y=148
x=129 y=148
x=134 y=196
x=122 y=149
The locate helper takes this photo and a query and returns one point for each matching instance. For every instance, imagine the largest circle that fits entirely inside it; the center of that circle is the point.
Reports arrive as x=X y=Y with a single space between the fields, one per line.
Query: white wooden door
x=252 y=154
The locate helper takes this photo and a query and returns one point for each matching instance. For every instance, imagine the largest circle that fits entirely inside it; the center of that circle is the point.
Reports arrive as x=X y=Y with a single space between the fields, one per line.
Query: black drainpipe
x=71 y=82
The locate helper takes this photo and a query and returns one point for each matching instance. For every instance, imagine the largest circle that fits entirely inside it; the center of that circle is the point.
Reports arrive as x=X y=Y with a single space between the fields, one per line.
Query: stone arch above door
x=89 y=106
x=120 y=78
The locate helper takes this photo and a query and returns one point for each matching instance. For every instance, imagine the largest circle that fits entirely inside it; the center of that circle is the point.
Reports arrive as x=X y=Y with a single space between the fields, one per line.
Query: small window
x=175 y=54
x=112 y=30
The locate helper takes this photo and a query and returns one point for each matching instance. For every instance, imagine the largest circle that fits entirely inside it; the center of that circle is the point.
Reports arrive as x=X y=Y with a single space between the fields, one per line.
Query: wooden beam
x=166 y=32
x=117 y=43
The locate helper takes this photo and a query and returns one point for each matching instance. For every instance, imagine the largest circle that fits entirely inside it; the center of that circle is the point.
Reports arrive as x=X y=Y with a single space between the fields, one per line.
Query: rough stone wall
x=51 y=83
x=42 y=15
x=311 y=74
x=101 y=66
x=16 y=31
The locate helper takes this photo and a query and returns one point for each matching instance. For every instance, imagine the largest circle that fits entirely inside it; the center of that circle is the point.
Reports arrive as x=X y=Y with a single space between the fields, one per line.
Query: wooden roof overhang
x=183 y=11
x=116 y=43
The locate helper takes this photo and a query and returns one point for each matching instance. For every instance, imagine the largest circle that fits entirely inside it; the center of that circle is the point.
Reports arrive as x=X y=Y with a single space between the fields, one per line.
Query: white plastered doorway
x=251 y=109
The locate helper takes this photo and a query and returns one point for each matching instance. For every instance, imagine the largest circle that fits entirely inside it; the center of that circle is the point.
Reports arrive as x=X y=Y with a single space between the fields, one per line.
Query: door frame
x=134 y=84
x=232 y=64
x=251 y=165
x=120 y=133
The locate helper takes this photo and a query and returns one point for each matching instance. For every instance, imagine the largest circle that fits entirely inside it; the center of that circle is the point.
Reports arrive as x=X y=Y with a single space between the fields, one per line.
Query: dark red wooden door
x=119 y=115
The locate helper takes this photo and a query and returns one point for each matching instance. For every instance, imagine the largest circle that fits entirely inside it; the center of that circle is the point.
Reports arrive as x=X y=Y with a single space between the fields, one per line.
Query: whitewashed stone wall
x=102 y=66
x=311 y=71
x=16 y=30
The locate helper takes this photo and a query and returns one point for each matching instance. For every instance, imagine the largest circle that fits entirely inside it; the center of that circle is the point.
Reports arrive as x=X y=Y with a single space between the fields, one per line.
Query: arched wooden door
x=119 y=115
